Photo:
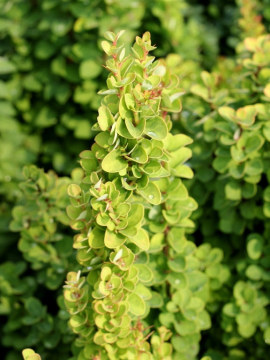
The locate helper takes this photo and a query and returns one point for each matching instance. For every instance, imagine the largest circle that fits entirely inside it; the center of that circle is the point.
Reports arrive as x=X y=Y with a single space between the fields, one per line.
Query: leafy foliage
x=130 y=206
x=231 y=160
x=155 y=273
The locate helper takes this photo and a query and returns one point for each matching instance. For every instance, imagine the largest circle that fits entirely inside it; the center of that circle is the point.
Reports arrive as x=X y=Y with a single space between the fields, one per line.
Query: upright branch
x=131 y=203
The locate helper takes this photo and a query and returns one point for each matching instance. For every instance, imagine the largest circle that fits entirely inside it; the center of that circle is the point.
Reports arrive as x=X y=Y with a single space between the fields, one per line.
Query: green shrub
x=154 y=269
x=41 y=219
x=230 y=129
x=50 y=70
x=141 y=276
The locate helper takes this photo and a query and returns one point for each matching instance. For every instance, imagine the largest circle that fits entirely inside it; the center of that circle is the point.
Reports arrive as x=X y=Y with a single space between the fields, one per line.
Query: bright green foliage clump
x=50 y=70
x=132 y=211
x=231 y=162
x=39 y=219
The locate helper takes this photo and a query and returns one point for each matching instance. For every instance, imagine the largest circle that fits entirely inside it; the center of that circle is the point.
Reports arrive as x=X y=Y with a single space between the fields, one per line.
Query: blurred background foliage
x=50 y=71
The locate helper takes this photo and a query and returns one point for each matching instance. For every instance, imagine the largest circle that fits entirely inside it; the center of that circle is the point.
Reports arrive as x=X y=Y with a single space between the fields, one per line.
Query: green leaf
x=246 y=329
x=266 y=194
x=266 y=335
x=141 y=239
x=130 y=102
x=136 y=304
x=151 y=193
x=29 y=354
x=249 y=190
x=200 y=91
x=197 y=280
x=178 y=264
x=96 y=238
x=113 y=240
x=114 y=162
x=177 y=239
x=89 y=69
x=135 y=215
x=44 y=49
x=254 y=143
x=74 y=190
x=156 y=300
x=122 y=129
x=266 y=209
x=246 y=115
x=135 y=131
x=254 y=246
x=230 y=310
x=46 y=117
x=227 y=113
x=157 y=243
x=208 y=79
x=143 y=291
x=106 y=46
x=34 y=307
x=6 y=66
x=156 y=128
x=233 y=190
x=73 y=212
x=266 y=90
x=186 y=327
x=254 y=272
x=139 y=155
x=145 y=274
x=105 y=118
x=174 y=142
x=89 y=165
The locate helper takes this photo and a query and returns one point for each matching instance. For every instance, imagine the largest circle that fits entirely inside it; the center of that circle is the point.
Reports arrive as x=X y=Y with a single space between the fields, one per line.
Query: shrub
x=50 y=70
x=142 y=277
x=231 y=162
x=178 y=276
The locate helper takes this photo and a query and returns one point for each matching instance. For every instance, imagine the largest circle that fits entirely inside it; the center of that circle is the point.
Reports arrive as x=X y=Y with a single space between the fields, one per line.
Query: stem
x=136 y=118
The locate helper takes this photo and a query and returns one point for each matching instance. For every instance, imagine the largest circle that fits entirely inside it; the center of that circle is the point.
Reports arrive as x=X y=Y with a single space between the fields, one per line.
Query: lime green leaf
x=113 y=240
x=89 y=69
x=96 y=238
x=156 y=300
x=151 y=193
x=141 y=239
x=200 y=91
x=233 y=190
x=114 y=162
x=174 y=142
x=139 y=155
x=144 y=273
x=29 y=354
x=156 y=128
x=106 y=46
x=135 y=131
x=130 y=102
x=74 y=190
x=178 y=264
x=136 y=304
x=227 y=113
x=105 y=118
x=254 y=143
x=254 y=246
x=267 y=90
x=254 y=272
x=246 y=115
